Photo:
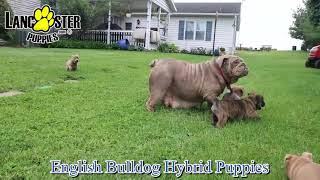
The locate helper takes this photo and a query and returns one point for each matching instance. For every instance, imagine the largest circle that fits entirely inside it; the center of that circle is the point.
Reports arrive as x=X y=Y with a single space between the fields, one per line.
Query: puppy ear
x=241 y=91
x=307 y=155
x=288 y=157
x=221 y=60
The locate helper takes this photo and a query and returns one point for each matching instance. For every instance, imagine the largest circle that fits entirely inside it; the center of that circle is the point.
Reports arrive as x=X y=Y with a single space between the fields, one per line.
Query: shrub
x=140 y=48
x=5 y=34
x=199 y=51
x=132 y=48
x=184 y=51
x=168 y=48
x=114 y=46
x=222 y=49
x=69 y=43
x=136 y=48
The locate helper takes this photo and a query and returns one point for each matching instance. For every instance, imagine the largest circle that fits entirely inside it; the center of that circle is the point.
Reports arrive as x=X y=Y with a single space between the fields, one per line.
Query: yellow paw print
x=44 y=18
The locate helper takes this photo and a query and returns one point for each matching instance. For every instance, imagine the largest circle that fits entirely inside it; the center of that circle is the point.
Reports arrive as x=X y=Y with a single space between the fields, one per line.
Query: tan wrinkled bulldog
x=180 y=84
x=302 y=167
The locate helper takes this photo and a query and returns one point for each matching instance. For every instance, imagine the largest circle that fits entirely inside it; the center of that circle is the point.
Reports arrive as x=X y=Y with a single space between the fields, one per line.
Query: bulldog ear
x=221 y=60
x=307 y=155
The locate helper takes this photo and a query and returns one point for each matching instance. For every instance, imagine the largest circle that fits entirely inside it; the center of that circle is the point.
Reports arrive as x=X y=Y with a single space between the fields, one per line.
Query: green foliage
x=136 y=48
x=313 y=7
x=92 y=12
x=69 y=43
x=306 y=24
x=198 y=51
x=223 y=49
x=184 y=51
x=311 y=34
x=4 y=33
x=296 y=30
x=168 y=48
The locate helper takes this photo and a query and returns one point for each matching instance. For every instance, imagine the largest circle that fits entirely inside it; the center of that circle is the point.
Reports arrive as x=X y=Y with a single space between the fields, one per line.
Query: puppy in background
x=245 y=108
x=301 y=167
x=72 y=63
x=236 y=94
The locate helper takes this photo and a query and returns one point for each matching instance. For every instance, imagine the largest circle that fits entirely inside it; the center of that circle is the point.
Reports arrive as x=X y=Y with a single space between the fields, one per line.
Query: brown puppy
x=236 y=94
x=302 y=167
x=225 y=110
x=72 y=63
x=180 y=84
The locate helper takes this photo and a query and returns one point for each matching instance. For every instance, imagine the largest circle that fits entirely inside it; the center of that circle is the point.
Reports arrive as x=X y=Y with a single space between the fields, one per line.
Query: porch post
x=109 y=23
x=159 y=18
x=234 y=34
x=147 y=41
x=168 y=23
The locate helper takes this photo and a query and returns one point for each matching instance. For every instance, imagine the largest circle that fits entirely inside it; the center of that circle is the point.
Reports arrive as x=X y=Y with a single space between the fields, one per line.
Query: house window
x=200 y=30
x=189 y=30
x=128 y=26
x=195 y=30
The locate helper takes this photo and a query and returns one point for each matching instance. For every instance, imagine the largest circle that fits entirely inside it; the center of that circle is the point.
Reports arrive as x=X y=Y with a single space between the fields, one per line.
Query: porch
x=141 y=22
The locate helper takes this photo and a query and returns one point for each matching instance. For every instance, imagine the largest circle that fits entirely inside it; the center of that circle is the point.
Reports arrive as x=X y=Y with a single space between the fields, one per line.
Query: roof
x=195 y=7
x=172 y=5
x=210 y=8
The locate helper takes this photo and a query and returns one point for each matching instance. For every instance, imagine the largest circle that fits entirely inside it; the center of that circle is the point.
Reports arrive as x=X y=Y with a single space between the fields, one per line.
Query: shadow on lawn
x=69 y=77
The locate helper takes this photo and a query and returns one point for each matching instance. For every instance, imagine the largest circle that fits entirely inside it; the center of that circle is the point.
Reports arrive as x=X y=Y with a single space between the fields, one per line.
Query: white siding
x=224 y=33
x=143 y=22
x=20 y=7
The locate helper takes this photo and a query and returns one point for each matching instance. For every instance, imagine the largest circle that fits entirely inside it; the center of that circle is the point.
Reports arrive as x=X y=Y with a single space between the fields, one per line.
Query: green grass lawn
x=104 y=117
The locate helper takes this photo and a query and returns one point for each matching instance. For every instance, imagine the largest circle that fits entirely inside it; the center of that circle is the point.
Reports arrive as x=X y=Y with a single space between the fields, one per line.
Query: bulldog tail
x=153 y=63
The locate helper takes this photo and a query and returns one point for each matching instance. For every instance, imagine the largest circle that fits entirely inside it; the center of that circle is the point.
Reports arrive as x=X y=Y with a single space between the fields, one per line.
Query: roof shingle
x=208 y=7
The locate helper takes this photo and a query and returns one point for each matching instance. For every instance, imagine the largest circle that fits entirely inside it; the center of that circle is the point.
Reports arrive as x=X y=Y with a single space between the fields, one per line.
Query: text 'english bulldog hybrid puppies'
x=180 y=84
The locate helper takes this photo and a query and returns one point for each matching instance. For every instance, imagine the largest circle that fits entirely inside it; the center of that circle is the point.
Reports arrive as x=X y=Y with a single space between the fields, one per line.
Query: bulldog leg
x=158 y=86
x=222 y=120
x=155 y=97
x=211 y=99
x=254 y=115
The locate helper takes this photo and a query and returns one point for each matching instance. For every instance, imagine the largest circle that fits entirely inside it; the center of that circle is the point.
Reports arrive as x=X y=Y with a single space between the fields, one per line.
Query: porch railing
x=102 y=36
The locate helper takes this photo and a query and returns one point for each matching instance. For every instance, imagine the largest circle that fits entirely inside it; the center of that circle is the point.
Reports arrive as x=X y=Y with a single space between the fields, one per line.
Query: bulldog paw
x=150 y=108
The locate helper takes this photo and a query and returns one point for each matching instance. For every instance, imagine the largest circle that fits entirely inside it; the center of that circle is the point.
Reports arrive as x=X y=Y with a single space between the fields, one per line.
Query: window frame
x=195 y=29
x=204 y=32
x=185 y=30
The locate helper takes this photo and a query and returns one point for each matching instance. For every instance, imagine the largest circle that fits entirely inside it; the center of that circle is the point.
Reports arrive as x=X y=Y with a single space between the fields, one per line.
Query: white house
x=150 y=22
x=193 y=25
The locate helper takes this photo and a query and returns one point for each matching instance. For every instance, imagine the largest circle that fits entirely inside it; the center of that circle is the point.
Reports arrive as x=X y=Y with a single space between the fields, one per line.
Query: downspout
x=214 y=32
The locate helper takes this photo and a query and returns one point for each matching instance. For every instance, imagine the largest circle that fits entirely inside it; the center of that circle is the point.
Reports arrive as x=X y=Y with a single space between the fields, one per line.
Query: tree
x=296 y=30
x=4 y=33
x=313 y=7
x=306 y=24
x=92 y=12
